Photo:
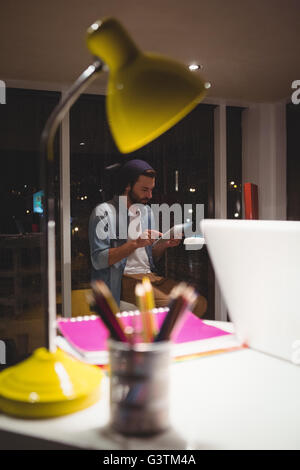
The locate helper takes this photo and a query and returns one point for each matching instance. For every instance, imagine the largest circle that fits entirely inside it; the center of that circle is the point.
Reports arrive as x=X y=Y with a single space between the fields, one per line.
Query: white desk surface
x=236 y=400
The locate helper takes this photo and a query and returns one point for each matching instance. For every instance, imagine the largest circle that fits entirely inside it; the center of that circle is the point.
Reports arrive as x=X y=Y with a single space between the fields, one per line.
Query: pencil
x=102 y=307
x=102 y=287
x=150 y=305
x=141 y=303
x=169 y=321
x=188 y=296
x=181 y=298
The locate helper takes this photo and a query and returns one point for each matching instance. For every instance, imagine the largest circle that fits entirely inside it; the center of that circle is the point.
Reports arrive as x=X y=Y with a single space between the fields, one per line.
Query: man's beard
x=137 y=200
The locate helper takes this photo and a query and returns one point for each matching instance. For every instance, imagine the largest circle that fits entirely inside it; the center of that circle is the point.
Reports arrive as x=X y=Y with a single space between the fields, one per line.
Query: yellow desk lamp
x=147 y=94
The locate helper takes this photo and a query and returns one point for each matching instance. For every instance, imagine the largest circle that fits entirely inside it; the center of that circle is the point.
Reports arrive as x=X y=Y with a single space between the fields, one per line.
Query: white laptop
x=257 y=263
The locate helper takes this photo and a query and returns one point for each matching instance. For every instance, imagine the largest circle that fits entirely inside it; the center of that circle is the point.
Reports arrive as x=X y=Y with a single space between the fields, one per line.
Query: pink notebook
x=88 y=335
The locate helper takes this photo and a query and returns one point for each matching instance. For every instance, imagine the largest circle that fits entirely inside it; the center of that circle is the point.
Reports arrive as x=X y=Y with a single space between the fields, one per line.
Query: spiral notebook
x=86 y=337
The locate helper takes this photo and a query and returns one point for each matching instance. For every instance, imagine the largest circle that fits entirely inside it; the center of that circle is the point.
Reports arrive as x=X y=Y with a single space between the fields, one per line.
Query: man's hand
x=165 y=243
x=172 y=242
x=148 y=237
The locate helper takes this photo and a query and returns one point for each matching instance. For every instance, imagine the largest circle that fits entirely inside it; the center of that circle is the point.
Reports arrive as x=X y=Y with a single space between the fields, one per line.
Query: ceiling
x=249 y=49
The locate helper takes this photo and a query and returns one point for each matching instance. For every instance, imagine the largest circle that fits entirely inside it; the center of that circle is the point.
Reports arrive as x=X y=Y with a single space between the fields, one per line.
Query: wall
x=264 y=156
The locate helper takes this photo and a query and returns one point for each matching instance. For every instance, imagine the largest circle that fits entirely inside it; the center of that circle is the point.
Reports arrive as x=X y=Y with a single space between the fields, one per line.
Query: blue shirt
x=108 y=228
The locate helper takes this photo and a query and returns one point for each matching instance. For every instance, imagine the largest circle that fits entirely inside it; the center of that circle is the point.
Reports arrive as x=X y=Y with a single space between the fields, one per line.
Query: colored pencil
x=104 y=289
x=174 y=306
x=140 y=295
x=182 y=297
x=188 y=296
x=150 y=304
x=102 y=306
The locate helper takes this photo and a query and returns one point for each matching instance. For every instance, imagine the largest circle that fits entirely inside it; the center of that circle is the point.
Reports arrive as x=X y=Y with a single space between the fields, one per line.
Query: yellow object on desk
x=49 y=384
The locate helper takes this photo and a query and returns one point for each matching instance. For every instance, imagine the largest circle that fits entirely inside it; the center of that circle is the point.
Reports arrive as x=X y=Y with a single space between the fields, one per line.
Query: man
x=121 y=239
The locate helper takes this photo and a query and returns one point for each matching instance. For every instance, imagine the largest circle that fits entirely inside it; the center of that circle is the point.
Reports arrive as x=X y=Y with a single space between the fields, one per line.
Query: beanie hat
x=128 y=174
x=133 y=169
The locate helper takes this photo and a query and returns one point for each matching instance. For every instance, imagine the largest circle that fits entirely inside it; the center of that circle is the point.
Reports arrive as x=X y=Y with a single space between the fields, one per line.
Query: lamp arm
x=47 y=141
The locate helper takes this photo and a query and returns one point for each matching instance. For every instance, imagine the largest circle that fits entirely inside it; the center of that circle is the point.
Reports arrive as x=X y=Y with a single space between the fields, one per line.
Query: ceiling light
x=95 y=26
x=194 y=67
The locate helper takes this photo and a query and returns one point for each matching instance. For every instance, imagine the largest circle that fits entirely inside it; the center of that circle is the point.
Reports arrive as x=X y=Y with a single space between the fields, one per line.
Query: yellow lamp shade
x=48 y=384
x=147 y=93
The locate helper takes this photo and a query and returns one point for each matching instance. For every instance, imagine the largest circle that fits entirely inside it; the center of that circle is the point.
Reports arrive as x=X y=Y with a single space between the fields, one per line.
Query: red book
x=251 y=201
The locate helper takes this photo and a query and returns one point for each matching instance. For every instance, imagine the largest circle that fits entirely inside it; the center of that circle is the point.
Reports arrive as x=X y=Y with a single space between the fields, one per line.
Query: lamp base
x=49 y=384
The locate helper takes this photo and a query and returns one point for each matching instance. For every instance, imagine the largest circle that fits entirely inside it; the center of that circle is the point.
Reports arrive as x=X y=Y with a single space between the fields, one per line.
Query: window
x=234 y=162
x=22 y=302
x=183 y=158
